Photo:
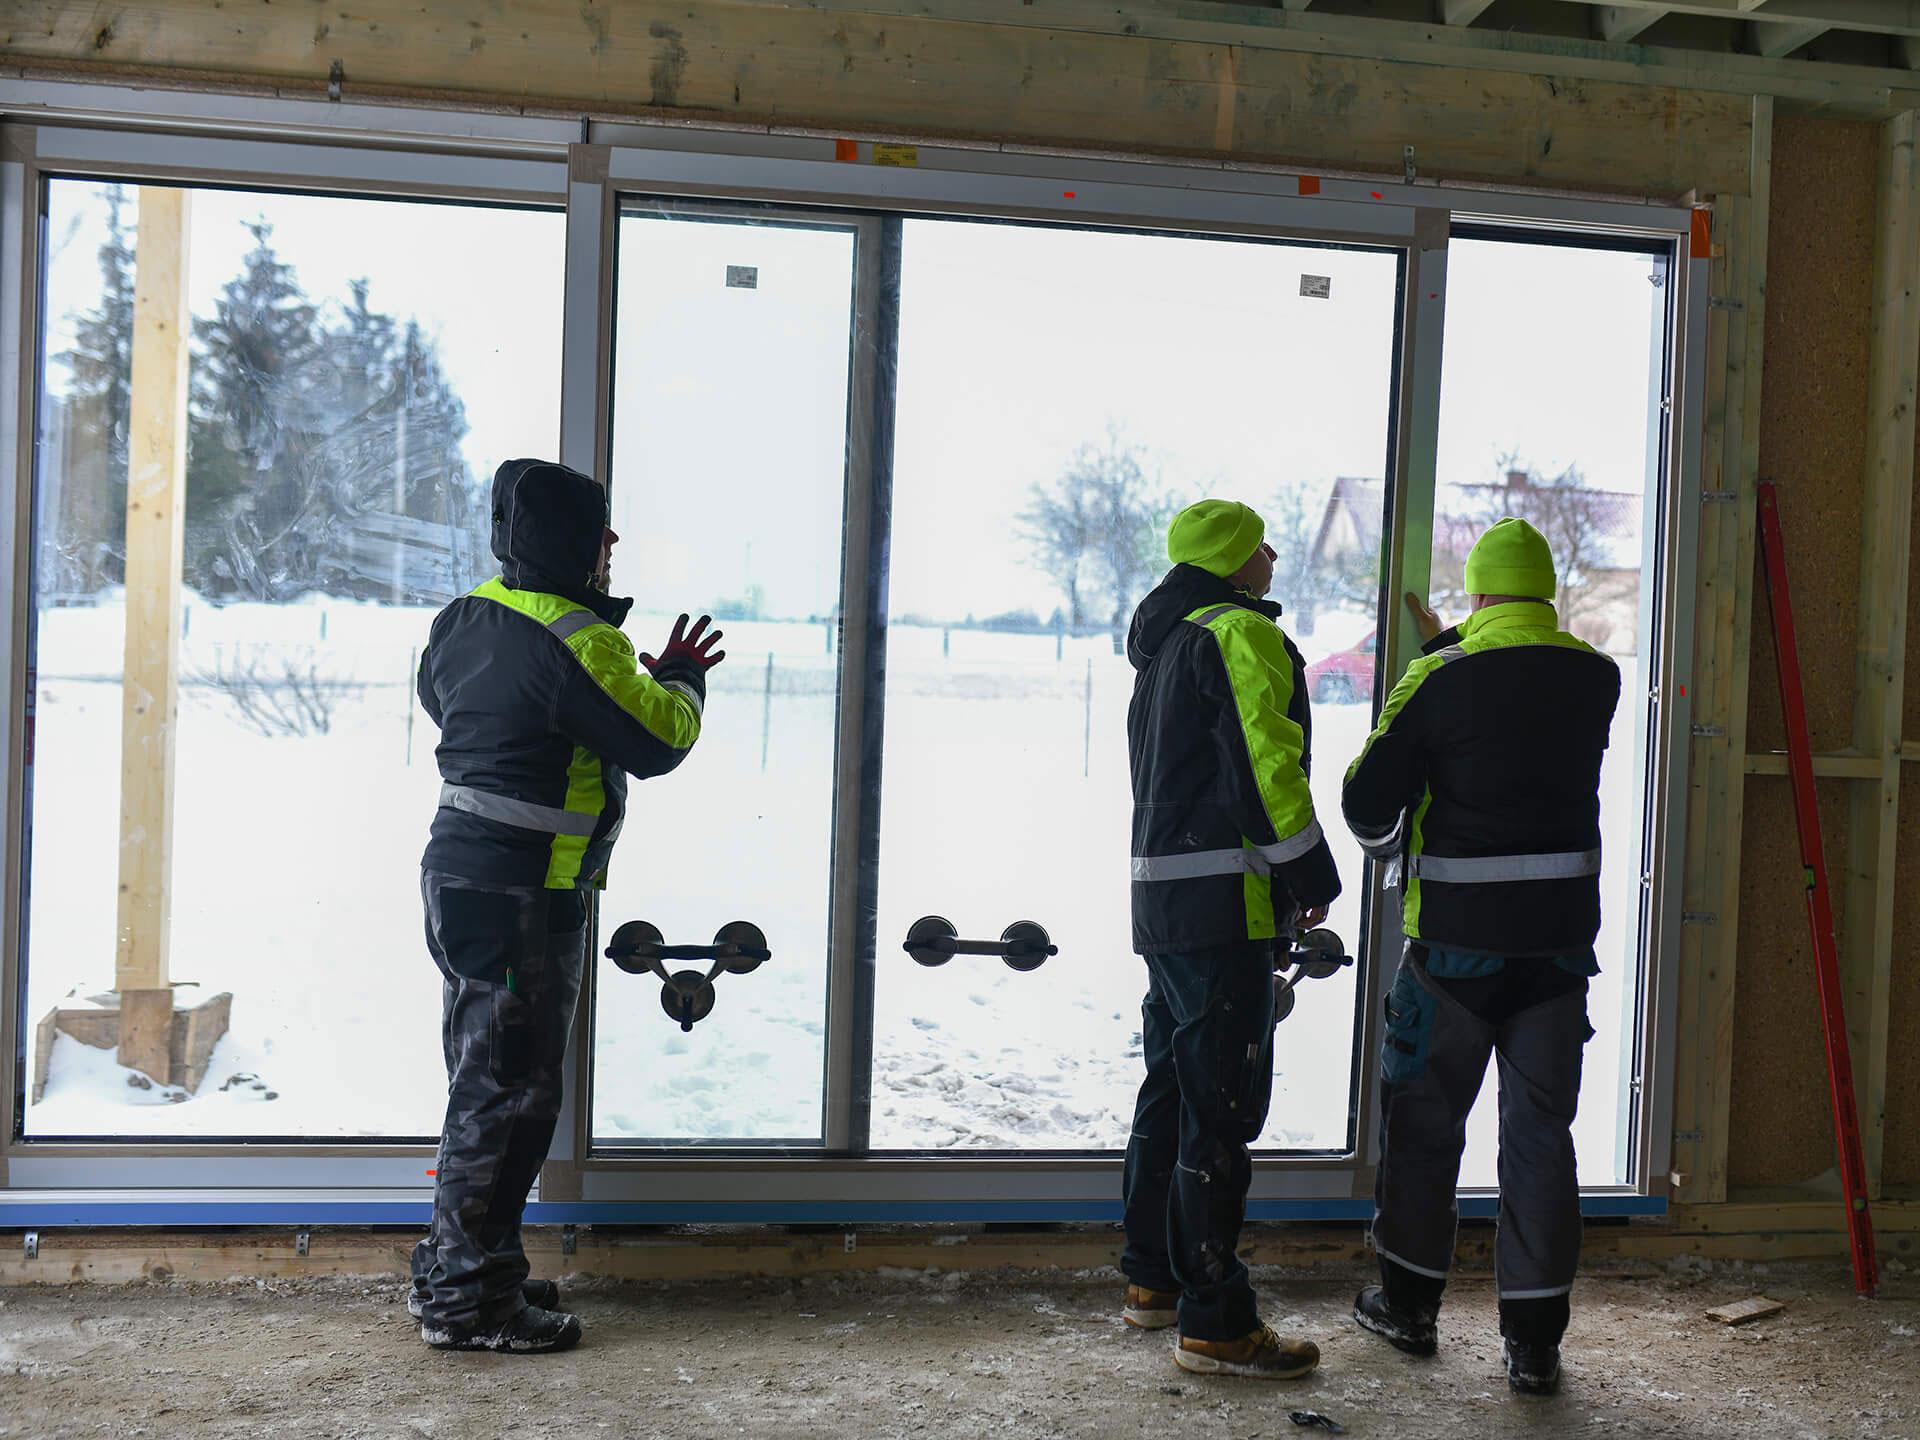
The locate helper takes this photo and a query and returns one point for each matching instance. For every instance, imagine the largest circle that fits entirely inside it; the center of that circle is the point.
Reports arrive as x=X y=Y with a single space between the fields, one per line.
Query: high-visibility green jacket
x=542 y=708
x=1482 y=778
x=1225 y=843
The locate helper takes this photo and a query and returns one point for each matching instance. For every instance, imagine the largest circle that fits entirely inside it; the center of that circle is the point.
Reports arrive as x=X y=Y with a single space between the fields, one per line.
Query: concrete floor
x=903 y=1353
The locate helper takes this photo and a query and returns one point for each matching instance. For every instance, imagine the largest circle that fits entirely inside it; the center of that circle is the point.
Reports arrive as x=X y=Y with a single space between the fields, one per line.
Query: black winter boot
x=531 y=1331
x=1531 y=1369
x=1413 y=1331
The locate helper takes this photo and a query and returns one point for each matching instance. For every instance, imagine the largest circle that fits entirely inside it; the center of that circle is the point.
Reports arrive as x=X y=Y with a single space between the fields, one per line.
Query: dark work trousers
x=1532 y=1015
x=1207 y=1033
x=510 y=962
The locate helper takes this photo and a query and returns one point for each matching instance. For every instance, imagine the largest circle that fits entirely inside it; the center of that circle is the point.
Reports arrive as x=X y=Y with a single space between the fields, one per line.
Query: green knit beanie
x=1512 y=558
x=1219 y=536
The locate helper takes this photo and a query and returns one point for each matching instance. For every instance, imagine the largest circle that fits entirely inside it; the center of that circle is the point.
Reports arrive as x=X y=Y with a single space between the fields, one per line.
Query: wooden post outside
x=156 y=516
x=1881 y=647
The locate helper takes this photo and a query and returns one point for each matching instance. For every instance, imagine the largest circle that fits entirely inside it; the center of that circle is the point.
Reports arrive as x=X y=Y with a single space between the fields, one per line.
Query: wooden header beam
x=1265 y=85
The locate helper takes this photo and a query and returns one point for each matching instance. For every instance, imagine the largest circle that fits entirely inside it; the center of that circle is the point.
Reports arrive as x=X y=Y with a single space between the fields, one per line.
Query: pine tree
x=88 y=535
x=253 y=495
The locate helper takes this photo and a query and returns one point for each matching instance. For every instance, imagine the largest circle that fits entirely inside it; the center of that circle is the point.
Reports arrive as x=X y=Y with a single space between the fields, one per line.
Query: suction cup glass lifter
x=1314 y=956
x=934 y=940
x=687 y=996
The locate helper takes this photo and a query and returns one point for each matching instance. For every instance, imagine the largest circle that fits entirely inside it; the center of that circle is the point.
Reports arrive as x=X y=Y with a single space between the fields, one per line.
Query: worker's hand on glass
x=1424 y=620
x=1316 y=916
x=694 y=644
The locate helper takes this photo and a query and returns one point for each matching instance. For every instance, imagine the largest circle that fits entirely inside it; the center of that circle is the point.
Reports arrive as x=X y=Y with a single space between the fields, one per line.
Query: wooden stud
x=1893 y=380
x=1836 y=766
x=156 y=515
x=1709 y=952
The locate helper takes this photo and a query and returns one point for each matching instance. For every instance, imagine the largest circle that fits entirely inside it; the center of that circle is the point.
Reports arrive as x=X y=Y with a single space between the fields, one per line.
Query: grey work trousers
x=1439 y=1035
x=511 y=960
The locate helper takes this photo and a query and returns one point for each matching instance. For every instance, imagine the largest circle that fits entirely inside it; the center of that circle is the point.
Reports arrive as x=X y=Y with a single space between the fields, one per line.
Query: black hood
x=547 y=525
x=1185 y=589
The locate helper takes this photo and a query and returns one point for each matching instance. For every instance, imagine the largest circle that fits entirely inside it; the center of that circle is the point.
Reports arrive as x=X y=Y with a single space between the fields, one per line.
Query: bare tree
x=1598 y=587
x=1100 y=530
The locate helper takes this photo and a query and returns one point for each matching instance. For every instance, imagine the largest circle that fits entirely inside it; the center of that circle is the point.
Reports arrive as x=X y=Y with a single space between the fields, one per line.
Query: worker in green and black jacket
x=543 y=713
x=1481 y=781
x=1227 y=859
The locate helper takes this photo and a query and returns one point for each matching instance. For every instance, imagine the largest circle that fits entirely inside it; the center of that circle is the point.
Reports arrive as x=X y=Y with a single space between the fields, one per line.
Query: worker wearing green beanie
x=1229 y=862
x=1511 y=559
x=1480 y=783
x=1219 y=536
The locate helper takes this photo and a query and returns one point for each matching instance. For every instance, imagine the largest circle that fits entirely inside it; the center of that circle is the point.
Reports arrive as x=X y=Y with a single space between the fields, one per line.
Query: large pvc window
x=1552 y=408
x=357 y=371
x=1061 y=394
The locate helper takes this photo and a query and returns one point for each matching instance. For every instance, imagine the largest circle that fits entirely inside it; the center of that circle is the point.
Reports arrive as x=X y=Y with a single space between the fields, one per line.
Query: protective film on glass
x=357 y=371
x=1061 y=394
x=1568 y=436
x=729 y=461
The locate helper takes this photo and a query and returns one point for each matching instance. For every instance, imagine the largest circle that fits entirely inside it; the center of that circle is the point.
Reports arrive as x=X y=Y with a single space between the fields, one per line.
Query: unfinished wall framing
x=1814 y=343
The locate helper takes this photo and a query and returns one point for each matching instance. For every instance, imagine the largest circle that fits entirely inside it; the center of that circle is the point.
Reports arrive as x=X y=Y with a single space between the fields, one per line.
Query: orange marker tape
x=846 y=150
x=1702 y=248
x=1309 y=184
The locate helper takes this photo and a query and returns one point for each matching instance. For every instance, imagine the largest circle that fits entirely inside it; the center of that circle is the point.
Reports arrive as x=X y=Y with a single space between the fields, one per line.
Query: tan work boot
x=1151 y=1309
x=1262 y=1354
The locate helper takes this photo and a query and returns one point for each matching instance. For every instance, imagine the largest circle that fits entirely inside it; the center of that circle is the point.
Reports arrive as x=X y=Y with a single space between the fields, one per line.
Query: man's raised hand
x=695 y=645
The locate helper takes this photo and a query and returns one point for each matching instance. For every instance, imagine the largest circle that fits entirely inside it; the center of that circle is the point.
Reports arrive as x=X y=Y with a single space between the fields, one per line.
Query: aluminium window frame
x=76 y=128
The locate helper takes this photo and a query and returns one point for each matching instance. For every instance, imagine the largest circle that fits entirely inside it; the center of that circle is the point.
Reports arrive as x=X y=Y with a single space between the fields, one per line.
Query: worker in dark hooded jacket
x=1481 y=781
x=1227 y=859
x=543 y=714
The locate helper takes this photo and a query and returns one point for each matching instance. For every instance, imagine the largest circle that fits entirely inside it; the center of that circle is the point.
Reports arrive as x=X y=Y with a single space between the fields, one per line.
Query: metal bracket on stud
x=569 y=1239
x=1721 y=302
x=32 y=1244
x=1699 y=917
x=1689 y=1137
x=851 y=1242
x=1719 y=497
x=303 y=1243
x=335 y=74
x=1410 y=169
x=1711 y=732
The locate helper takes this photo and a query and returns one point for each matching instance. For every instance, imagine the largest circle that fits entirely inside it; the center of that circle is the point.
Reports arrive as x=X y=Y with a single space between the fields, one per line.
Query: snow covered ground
x=1005 y=797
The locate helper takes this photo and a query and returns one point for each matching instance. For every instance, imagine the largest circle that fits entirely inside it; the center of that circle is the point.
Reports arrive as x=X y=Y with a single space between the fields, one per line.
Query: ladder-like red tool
x=1826 y=955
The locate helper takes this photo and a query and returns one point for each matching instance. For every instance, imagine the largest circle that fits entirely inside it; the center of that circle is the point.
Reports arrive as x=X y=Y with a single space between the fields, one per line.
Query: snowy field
x=1005 y=797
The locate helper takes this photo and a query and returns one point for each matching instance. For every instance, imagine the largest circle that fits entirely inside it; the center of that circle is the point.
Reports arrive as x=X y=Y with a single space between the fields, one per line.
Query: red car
x=1344 y=676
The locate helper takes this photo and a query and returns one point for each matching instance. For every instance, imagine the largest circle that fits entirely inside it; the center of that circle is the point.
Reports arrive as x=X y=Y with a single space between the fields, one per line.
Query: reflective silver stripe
x=509 y=811
x=1293 y=847
x=1497 y=869
x=1452 y=653
x=1382 y=1250
x=1198 y=863
x=1566 y=1289
x=1207 y=617
x=680 y=687
x=1382 y=846
x=573 y=622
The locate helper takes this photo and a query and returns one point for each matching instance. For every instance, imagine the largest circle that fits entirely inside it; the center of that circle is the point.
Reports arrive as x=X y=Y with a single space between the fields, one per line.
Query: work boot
x=530 y=1331
x=1531 y=1369
x=1151 y=1309
x=1262 y=1354
x=1405 y=1329
x=543 y=1293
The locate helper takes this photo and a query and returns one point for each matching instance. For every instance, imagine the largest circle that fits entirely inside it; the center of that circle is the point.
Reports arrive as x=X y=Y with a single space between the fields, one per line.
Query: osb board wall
x=1900 y=1163
x=1780 y=1128
x=1813 y=446
x=1813 y=415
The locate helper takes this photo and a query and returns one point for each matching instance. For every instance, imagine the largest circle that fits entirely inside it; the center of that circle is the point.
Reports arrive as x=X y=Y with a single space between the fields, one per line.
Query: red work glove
x=684 y=644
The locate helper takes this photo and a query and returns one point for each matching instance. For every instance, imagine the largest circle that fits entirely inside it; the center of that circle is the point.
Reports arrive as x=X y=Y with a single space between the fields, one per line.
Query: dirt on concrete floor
x=906 y=1353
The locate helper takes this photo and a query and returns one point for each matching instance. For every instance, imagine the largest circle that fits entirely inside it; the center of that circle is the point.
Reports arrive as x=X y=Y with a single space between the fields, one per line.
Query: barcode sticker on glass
x=1317 y=287
x=743 y=277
